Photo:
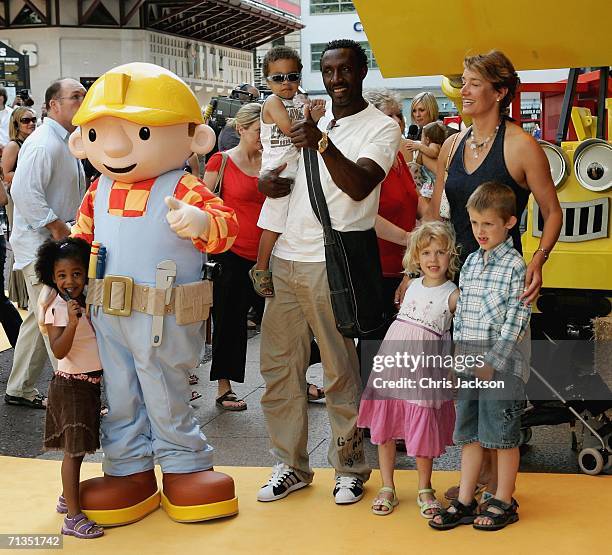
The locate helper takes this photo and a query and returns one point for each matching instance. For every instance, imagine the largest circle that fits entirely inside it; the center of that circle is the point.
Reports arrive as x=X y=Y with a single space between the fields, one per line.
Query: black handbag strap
x=315 y=192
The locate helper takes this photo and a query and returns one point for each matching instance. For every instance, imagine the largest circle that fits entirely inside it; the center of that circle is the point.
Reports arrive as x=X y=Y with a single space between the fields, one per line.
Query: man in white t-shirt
x=357 y=145
x=5 y=116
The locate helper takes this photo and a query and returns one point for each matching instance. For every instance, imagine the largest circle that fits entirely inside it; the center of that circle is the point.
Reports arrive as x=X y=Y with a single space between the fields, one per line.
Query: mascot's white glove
x=187 y=221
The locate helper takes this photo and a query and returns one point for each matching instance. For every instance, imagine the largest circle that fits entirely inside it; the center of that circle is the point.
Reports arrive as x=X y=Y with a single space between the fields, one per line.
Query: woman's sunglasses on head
x=282 y=77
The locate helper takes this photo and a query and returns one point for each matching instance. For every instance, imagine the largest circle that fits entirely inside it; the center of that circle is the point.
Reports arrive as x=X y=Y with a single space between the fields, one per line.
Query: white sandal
x=428 y=505
x=390 y=504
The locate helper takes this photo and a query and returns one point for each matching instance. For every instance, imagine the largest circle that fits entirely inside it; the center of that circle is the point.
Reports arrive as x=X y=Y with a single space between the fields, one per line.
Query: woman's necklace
x=478 y=146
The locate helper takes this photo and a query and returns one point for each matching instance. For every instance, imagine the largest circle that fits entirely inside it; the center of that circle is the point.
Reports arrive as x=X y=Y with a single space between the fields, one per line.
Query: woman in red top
x=398 y=205
x=233 y=293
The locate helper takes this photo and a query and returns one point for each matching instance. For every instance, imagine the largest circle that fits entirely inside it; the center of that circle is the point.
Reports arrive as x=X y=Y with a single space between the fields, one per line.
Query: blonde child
x=73 y=407
x=282 y=68
x=423 y=417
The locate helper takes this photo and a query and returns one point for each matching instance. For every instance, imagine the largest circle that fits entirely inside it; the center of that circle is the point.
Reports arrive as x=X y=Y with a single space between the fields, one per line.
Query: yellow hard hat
x=142 y=93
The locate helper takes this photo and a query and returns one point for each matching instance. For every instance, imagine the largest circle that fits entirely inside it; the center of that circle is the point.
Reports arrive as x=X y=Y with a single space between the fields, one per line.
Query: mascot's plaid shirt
x=129 y=200
x=489 y=315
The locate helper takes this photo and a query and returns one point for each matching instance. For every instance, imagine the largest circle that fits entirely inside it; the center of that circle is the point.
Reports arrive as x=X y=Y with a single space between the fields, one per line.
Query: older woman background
x=398 y=207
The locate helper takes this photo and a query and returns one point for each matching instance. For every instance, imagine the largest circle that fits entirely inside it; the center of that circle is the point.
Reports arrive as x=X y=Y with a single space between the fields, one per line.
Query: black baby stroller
x=565 y=388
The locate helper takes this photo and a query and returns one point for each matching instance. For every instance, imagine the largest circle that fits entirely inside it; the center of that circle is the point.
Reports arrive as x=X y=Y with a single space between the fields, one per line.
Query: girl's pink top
x=83 y=356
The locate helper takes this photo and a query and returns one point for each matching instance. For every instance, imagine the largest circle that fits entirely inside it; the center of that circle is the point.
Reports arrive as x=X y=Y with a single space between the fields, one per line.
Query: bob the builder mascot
x=138 y=124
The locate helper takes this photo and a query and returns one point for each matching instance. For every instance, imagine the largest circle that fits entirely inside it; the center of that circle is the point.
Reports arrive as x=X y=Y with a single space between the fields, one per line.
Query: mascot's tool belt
x=118 y=295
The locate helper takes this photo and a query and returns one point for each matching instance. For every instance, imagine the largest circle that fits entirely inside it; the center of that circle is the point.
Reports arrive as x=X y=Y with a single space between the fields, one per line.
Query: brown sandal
x=230 y=396
x=262 y=282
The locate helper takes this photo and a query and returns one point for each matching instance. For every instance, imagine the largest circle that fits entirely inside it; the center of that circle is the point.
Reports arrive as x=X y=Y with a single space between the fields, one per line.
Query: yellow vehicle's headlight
x=558 y=162
x=593 y=165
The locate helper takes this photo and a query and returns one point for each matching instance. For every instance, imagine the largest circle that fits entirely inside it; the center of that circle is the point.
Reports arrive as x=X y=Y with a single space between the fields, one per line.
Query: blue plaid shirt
x=489 y=312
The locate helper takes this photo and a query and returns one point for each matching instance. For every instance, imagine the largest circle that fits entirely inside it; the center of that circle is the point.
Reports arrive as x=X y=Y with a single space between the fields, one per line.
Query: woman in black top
x=494 y=148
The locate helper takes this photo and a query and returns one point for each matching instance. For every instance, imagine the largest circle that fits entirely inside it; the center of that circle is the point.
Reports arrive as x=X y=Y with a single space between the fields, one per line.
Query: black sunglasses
x=27 y=120
x=282 y=77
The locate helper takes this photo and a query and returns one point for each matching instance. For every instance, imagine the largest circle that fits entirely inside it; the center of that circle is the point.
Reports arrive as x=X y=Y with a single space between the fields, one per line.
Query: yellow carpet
x=560 y=514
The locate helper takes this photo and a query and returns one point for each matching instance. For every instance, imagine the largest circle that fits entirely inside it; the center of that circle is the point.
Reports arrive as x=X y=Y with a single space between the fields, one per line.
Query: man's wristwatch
x=323 y=143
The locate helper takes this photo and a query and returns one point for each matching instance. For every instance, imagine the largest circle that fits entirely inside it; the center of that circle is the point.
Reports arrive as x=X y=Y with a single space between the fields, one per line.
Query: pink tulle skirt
x=423 y=419
x=427 y=431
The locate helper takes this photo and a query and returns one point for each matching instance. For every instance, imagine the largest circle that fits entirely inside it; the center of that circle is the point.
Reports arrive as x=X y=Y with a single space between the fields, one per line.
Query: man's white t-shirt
x=366 y=134
x=5 y=116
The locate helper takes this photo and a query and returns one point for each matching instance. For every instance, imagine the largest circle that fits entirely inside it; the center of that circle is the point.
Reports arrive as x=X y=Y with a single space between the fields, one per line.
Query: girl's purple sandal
x=62 y=506
x=81 y=527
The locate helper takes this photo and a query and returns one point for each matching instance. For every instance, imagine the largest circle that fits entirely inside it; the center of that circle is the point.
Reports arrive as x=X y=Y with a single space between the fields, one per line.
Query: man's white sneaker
x=283 y=481
x=348 y=490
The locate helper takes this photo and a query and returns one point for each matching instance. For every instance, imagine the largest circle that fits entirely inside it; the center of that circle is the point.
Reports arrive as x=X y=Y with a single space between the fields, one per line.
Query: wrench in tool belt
x=164 y=279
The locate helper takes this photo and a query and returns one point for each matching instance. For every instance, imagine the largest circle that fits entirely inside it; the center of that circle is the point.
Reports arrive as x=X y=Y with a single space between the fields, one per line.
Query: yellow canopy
x=416 y=37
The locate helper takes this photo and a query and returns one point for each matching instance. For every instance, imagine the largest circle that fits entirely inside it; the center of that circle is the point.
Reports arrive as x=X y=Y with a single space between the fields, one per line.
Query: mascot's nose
x=117 y=143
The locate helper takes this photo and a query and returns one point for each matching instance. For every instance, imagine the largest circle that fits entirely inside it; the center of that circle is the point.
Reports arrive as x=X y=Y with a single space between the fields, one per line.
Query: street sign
x=14 y=68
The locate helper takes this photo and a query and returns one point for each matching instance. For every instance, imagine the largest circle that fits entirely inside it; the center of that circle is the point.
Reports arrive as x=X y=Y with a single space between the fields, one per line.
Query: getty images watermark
x=423 y=370
x=406 y=362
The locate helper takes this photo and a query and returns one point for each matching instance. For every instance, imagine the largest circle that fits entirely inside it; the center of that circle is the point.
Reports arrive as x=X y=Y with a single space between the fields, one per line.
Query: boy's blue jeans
x=492 y=417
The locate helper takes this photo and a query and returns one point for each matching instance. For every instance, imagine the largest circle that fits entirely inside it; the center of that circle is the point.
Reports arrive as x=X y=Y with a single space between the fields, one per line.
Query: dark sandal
x=229 y=395
x=195 y=395
x=262 y=282
x=314 y=398
x=509 y=514
x=464 y=514
x=37 y=403
x=193 y=379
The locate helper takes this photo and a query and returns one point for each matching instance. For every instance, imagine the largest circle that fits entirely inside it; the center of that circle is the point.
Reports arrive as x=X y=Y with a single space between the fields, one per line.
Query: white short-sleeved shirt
x=366 y=134
x=5 y=117
x=49 y=184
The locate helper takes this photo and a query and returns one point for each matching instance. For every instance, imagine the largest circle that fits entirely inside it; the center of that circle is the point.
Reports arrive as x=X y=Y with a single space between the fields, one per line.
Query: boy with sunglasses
x=282 y=68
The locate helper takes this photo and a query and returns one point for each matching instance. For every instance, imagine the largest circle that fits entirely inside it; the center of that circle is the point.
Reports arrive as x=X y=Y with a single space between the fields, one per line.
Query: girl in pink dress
x=409 y=393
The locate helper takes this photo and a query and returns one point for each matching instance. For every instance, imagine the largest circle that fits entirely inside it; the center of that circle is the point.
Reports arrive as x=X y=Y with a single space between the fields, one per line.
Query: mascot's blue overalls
x=146 y=386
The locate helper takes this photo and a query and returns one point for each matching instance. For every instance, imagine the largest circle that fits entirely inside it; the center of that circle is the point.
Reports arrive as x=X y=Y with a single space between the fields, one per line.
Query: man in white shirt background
x=356 y=152
x=47 y=189
x=5 y=116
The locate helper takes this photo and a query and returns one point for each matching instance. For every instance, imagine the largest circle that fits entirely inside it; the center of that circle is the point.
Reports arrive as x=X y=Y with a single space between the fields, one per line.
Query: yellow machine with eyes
x=578 y=276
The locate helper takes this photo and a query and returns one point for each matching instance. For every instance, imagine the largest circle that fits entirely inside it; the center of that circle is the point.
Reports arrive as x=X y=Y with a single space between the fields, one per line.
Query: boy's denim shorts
x=490 y=417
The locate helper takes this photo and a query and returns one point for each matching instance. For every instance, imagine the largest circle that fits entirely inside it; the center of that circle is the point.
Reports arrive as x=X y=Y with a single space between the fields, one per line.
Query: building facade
x=208 y=44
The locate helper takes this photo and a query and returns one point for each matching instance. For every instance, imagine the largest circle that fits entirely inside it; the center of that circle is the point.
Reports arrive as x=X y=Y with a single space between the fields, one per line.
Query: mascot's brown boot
x=117 y=500
x=199 y=496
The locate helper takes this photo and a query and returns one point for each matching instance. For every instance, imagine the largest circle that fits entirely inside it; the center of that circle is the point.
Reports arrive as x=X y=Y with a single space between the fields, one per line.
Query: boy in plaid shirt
x=490 y=316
